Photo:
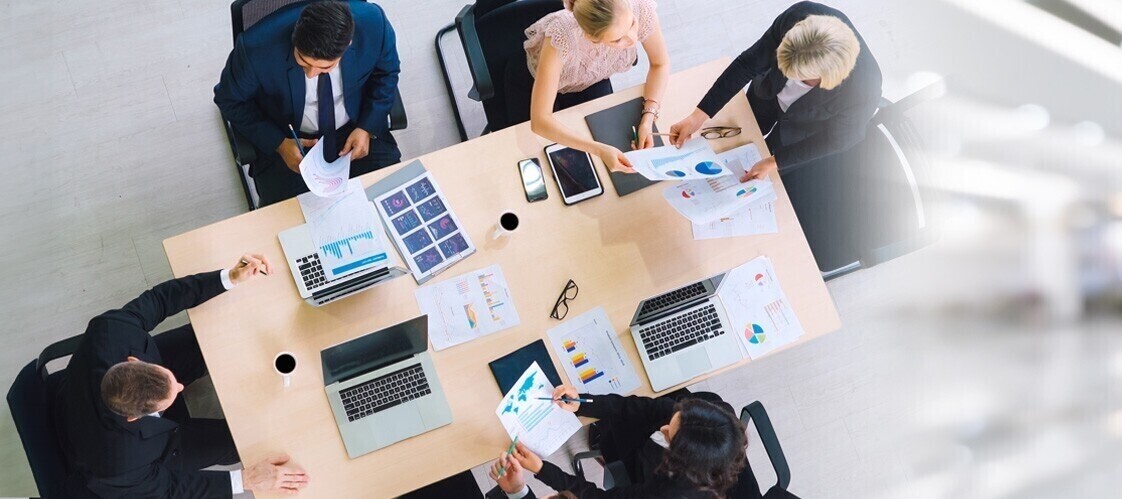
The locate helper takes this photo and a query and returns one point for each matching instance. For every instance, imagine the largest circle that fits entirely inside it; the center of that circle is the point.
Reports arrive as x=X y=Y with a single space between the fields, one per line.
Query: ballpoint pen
x=509 y=451
x=244 y=263
x=566 y=399
x=297 y=139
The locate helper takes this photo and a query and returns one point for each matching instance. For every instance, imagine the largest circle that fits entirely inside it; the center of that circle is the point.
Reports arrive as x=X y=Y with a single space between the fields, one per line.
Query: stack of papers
x=467 y=306
x=539 y=424
x=695 y=160
x=708 y=200
x=592 y=356
x=345 y=231
x=325 y=179
x=758 y=308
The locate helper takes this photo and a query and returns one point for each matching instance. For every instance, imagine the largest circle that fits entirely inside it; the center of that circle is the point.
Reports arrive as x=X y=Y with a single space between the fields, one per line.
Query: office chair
x=243 y=15
x=30 y=399
x=865 y=206
x=754 y=413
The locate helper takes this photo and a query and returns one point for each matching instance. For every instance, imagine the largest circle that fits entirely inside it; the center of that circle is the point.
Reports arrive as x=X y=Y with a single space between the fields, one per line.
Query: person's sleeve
x=634 y=411
x=748 y=65
x=380 y=89
x=558 y=480
x=498 y=493
x=169 y=298
x=844 y=130
x=234 y=96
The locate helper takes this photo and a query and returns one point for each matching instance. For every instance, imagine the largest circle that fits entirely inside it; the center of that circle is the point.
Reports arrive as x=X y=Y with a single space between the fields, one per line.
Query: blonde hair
x=593 y=16
x=819 y=47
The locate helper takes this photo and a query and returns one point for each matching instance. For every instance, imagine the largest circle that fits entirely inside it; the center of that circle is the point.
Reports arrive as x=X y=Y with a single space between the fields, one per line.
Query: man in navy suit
x=328 y=70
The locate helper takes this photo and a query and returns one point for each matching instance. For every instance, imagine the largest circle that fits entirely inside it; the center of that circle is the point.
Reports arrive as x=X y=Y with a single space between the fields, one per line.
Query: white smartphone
x=575 y=175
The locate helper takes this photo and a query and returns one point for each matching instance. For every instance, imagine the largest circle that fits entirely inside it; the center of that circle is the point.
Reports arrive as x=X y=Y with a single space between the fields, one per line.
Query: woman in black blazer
x=814 y=86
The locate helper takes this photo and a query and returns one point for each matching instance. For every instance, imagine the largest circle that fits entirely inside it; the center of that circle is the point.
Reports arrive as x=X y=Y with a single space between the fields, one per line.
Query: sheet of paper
x=325 y=179
x=704 y=201
x=467 y=306
x=695 y=160
x=539 y=424
x=758 y=308
x=592 y=356
x=424 y=227
x=751 y=220
x=345 y=231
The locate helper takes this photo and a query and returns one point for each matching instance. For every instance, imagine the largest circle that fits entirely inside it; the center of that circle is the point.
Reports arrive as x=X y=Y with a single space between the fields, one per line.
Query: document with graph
x=694 y=160
x=758 y=308
x=591 y=355
x=467 y=306
x=345 y=230
x=707 y=200
x=427 y=232
x=539 y=424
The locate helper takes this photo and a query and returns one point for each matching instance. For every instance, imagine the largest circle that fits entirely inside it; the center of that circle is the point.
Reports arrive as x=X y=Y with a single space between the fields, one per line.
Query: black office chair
x=866 y=206
x=243 y=15
x=30 y=400
x=755 y=414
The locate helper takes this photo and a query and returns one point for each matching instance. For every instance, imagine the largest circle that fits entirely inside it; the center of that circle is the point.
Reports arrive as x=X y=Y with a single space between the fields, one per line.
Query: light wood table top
x=618 y=250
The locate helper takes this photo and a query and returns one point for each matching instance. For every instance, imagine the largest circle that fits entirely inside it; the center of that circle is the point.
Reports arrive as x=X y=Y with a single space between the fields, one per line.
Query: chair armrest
x=397 y=118
x=580 y=456
x=56 y=350
x=244 y=152
x=483 y=88
x=756 y=414
x=615 y=473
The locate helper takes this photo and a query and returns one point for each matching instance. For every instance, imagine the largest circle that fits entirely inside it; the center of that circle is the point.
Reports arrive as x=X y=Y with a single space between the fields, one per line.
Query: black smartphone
x=532 y=181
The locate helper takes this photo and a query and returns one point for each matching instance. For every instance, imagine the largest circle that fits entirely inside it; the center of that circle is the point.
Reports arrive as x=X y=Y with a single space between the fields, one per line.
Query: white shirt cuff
x=520 y=494
x=236 y=482
x=226 y=282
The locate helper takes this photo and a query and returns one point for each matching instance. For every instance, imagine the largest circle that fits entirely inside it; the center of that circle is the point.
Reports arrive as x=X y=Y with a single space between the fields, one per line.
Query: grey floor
x=112 y=144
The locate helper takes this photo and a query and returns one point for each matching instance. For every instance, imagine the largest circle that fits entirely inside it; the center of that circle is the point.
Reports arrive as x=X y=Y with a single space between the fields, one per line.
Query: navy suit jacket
x=262 y=88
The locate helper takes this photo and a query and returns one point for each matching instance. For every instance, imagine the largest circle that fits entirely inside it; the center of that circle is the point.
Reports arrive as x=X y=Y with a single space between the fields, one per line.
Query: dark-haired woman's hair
x=708 y=449
x=324 y=30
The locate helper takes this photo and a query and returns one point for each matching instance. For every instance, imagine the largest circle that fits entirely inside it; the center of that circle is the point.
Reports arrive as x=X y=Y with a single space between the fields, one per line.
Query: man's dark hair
x=324 y=30
x=709 y=448
x=133 y=389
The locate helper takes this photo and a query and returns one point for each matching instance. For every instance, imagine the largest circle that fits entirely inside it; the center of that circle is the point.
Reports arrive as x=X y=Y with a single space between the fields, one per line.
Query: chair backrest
x=245 y=13
x=755 y=414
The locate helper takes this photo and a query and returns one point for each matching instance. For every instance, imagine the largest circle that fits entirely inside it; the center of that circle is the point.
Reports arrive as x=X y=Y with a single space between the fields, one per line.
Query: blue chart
x=708 y=168
x=529 y=412
x=336 y=248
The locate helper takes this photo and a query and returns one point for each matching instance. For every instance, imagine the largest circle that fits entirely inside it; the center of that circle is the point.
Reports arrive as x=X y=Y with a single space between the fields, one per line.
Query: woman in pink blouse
x=571 y=50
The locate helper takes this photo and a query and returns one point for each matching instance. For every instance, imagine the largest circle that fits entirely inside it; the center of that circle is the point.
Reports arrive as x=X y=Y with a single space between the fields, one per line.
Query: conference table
x=619 y=250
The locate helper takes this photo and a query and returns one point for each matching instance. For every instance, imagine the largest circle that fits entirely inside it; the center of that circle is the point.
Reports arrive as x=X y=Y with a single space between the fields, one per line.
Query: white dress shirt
x=791 y=93
x=310 y=124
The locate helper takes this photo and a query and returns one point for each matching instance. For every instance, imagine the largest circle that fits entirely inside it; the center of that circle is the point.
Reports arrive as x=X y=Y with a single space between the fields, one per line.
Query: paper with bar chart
x=758 y=308
x=325 y=179
x=694 y=160
x=591 y=355
x=708 y=200
x=427 y=232
x=345 y=230
x=539 y=424
x=467 y=306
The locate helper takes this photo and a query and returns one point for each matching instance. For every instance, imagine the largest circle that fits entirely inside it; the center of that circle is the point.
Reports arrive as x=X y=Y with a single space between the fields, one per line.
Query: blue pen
x=297 y=138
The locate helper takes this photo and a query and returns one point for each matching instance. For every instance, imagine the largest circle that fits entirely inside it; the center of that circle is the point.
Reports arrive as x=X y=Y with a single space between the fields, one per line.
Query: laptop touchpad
x=401 y=422
x=693 y=362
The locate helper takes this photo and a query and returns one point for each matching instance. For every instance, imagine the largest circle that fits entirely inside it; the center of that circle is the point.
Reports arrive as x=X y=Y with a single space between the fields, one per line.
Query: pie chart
x=755 y=334
x=708 y=168
x=676 y=173
x=688 y=194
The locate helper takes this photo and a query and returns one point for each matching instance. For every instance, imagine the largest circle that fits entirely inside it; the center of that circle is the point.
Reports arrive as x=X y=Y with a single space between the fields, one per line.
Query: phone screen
x=532 y=181
x=575 y=174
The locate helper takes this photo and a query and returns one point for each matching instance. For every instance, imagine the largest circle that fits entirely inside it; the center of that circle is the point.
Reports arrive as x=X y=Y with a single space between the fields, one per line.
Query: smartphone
x=532 y=181
x=574 y=173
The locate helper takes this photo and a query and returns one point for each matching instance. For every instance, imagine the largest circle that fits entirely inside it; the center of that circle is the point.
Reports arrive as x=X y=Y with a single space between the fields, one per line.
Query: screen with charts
x=423 y=226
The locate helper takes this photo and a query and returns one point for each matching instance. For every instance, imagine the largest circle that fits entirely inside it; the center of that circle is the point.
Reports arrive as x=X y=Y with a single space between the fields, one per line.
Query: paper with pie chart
x=467 y=306
x=325 y=179
x=591 y=355
x=758 y=308
x=694 y=160
x=708 y=200
x=539 y=424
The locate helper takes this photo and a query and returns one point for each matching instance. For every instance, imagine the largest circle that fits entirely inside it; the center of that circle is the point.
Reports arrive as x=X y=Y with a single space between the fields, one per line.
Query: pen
x=297 y=139
x=509 y=451
x=635 y=134
x=566 y=399
x=244 y=263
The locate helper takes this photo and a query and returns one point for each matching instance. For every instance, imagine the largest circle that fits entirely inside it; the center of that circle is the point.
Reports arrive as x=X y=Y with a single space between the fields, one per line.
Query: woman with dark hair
x=702 y=447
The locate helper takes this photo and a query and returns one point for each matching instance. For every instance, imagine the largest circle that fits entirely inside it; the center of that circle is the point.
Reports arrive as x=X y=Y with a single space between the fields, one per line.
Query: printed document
x=325 y=179
x=467 y=306
x=592 y=356
x=345 y=230
x=539 y=424
x=695 y=160
x=758 y=308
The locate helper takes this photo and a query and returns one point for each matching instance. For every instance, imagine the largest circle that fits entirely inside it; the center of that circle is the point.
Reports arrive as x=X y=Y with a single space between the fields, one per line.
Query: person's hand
x=614 y=159
x=683 y=130
x=567 y=391
x=511 y=481
x=249 y=265
x=646 y=137
x=527 y=458
x=275 y=474
x=761 y=170
x=358 y=144
x=291 y=154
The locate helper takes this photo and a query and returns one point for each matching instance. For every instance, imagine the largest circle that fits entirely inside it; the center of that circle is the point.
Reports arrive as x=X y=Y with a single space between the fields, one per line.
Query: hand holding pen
x=567 y=398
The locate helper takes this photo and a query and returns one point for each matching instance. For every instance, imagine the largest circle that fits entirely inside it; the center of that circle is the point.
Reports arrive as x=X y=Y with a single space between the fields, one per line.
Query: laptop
x=684 y=333
x=382 y=387
x=314 y=284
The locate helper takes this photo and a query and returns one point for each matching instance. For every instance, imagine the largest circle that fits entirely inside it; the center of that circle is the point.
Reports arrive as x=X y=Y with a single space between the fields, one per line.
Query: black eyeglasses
x=561 y=308
x=720 y=132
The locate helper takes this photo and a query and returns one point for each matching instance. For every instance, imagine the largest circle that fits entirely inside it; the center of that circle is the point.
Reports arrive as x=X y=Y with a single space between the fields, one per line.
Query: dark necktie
x=327 y=117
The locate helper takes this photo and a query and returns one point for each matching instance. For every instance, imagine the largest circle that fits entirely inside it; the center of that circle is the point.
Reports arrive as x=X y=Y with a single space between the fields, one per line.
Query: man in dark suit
x=329 y=71
x=814 y=86
x=123 y=427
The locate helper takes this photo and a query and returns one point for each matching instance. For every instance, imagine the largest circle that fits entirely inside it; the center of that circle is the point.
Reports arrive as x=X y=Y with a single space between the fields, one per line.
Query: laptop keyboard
x=385 y=392
x=311 y=271
x=675 y=297
x=681 y=331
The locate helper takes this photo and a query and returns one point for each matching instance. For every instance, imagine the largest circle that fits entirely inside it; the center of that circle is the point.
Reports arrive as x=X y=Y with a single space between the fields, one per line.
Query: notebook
x=612 y=126
x=509 y=368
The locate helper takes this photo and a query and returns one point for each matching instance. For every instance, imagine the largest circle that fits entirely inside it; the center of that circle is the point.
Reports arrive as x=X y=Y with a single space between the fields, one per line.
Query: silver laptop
x=382 y=387
x=684 y=333
x=314 y=283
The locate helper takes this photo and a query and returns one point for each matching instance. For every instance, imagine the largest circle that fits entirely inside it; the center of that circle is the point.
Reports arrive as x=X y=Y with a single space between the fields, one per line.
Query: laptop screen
x=375 y=350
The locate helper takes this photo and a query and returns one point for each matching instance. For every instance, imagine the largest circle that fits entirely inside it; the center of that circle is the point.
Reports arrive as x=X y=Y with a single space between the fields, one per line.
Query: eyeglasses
x=720 y=132
x=561 y=308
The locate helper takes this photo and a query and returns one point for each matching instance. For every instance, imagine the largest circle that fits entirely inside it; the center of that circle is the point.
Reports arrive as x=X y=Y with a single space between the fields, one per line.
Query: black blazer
x=116 y=458
x=820 y=123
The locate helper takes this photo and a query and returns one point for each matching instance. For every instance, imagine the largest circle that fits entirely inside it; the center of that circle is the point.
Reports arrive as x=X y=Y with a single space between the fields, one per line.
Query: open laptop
x=382 y=387
x=315 y=285
x=684 y=333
